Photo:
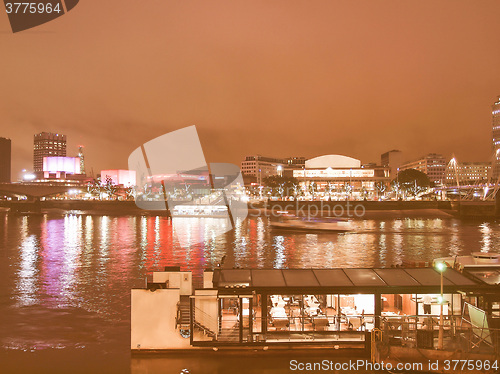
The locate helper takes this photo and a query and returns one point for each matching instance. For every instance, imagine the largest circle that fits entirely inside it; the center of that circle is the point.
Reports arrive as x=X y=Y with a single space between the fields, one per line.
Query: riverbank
x=349 y=209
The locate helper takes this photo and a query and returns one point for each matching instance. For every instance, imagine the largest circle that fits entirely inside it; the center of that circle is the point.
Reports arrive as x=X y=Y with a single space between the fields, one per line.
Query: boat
x=474 y=260
x=288 y=221
x=357 y=310
x=200 y=211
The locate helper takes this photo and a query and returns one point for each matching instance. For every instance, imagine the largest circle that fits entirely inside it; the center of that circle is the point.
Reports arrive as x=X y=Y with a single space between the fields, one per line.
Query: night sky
x=278 y=78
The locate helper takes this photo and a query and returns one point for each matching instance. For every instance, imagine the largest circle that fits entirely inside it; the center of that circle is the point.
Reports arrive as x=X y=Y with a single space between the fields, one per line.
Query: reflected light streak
x=27 y=283
x=486 y=231
x=280 y=252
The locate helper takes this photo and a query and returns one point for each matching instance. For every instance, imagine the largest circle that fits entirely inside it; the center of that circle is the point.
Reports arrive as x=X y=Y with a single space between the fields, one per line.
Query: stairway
x=183 y=318
x=229 y=335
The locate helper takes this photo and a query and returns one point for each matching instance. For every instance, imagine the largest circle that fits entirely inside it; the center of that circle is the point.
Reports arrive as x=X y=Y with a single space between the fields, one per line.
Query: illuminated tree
x=284 y=186
x=381 y=188
x=411 y=182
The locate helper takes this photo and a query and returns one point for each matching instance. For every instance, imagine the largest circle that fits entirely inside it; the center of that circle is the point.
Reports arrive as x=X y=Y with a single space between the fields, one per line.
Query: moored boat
x=474 y=260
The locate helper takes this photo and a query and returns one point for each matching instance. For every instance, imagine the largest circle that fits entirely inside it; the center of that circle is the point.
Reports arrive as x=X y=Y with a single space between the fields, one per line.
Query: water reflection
x=70 y=276
x=279 y=260
x=27 y=284
x=486 y=240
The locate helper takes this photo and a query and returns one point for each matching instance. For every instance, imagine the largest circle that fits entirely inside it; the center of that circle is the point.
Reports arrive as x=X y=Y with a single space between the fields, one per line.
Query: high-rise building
x=496 y=138
x=47 y=144
x=392 y=160
x=5 y=160
x=432 y=164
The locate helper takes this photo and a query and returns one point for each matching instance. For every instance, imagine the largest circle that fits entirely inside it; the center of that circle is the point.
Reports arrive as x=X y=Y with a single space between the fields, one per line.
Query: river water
x=66 y=278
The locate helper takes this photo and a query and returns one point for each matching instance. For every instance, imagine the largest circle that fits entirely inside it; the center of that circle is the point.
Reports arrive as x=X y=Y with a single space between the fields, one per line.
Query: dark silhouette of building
x=5 y=160
x=392 y=160
x=47 y=144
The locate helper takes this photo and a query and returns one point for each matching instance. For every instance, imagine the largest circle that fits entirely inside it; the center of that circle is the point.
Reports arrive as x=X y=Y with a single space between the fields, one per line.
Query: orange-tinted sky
x=271 y=77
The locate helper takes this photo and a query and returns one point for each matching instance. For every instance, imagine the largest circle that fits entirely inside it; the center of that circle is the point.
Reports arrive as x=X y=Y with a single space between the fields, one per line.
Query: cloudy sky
x=274 y=77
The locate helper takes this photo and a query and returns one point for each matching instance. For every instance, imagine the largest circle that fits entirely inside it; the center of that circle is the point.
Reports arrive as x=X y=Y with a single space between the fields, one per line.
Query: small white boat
x=474 y=260
x=327 y=224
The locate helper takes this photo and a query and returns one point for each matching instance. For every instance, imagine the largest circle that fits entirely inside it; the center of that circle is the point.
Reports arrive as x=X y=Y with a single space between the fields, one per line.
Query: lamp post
x=441 y=267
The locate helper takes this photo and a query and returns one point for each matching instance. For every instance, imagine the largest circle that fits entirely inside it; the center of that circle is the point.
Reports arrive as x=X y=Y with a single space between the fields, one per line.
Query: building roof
x=332 y=161
x=487 y=275
x=356 y=280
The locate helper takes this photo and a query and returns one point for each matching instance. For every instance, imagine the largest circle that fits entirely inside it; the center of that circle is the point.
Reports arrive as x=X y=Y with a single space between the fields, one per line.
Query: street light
x=441 y=267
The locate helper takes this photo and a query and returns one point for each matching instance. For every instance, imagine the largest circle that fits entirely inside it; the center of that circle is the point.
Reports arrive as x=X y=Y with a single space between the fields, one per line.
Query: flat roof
x=381 y=280
x=487 y=275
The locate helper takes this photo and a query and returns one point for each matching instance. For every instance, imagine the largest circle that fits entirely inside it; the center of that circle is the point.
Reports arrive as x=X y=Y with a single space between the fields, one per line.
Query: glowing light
x=29 y=177
x=441 y=266
x=70 y=165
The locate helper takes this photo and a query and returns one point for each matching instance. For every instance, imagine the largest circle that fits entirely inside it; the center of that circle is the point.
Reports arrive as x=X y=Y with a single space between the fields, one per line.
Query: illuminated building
x=495 y=112
x=467 y=173
x=125 y=178
x=5 y=160
x=432 y=164
x=82 y=159
x=68 y=165
x=261 y=167
x=57 y=170
x=340 y=177
x=47 y=144
x=392 y=160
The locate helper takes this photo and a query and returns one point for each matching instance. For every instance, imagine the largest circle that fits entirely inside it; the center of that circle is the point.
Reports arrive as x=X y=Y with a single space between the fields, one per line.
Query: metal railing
x=209 y=325
x=423 y=332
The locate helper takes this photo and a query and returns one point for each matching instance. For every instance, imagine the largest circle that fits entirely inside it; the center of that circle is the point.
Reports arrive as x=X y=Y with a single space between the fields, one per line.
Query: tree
x=110 y=188
x=130 y=193
x=363 y=193
x=313 y=187
x=381 y=188
x=330 y=189
x=297 y=191
x=411 y=182
x=284 y=186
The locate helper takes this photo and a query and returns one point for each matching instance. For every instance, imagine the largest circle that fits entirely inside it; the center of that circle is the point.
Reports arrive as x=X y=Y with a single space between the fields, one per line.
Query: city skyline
x=95 y=172
x=251 y=186
x=337 y=78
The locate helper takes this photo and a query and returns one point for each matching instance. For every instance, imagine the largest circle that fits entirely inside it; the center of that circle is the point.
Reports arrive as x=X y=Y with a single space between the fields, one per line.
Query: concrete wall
x=152 y=321
x=208 y=277
x=182 y=280
x=368 y=205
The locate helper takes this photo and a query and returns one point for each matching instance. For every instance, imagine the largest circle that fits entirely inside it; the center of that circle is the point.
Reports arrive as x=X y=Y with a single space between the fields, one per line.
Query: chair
x=355 y=323
x=280 y=323
x=321 y=322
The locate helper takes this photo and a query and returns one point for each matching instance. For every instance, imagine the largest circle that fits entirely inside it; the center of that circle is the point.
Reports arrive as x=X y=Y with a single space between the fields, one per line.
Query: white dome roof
x=332 y=161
